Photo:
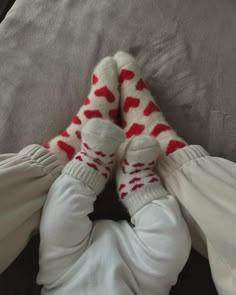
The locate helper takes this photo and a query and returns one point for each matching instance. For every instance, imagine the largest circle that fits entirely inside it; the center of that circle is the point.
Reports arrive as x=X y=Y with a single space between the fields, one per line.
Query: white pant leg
x=162 y=229
x=205 y=187
x=65 y=227
x=25 y=179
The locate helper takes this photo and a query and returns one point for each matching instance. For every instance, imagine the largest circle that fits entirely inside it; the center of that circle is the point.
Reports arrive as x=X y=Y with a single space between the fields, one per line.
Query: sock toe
x=143 y=148
x=123 y=58
x=105 y=66
x=142 y=142
x=102 y=133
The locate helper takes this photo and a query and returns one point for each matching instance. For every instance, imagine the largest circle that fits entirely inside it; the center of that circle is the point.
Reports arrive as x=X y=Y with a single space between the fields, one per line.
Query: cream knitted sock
x=140 y=113
x=93 y=164
x=102 y=102
x=137 y=183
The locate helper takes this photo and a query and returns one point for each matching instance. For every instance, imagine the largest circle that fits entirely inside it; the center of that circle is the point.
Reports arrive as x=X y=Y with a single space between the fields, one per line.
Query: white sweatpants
x=205 y=187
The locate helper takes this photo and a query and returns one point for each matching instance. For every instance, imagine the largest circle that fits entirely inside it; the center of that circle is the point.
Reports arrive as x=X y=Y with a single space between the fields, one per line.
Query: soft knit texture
x=93 y=164
x=136 y=182
x=81 y=257
x=140 y=113
x=102 y=102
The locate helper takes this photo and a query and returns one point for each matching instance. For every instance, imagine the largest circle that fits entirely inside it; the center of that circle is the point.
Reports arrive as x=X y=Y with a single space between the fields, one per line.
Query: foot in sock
x=137 y=183
x=102 y=102
x=94 y=163
x=140 y=113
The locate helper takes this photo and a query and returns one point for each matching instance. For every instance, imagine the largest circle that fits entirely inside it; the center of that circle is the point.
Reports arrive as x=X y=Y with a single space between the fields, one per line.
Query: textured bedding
x=187 y=50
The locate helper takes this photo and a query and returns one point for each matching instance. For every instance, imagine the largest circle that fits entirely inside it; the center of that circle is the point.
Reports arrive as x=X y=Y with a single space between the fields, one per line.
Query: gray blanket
x=187 y=50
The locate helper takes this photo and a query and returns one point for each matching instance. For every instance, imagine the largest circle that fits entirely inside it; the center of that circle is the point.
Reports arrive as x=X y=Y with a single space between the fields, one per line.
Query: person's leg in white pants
x=205 y=186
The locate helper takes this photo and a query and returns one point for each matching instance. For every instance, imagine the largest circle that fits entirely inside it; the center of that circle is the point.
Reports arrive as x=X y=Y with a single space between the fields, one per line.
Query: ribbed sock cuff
x=44 y=158
x=144 y=195
x=87 y=175
x=180 y=157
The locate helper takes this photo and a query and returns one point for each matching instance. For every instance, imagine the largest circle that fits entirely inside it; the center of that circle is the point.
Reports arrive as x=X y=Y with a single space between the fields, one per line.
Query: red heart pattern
x=105 y=92
x=125 y=75
x=136 y=186
x=140 y=85
x=123 y=123
x=78 y=134
x=134 y=180
x=123 y=195
x=151 y=107
x=64 y=133
x=131 y=102
x=121 y=187
x=46 y=145
x=158 y=128
x=112 y=114
x=92 y=114
x=86 y=101
x=92 y=165
x=173 y=145
x=76 y=120
x=154 y=179
x=138 y=165
x=86 y=146
x=135 y=129
x=94 y=79
x=67 y=148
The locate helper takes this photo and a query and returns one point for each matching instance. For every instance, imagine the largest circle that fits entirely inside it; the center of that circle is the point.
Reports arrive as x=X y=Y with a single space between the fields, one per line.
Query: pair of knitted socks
x=117 y=83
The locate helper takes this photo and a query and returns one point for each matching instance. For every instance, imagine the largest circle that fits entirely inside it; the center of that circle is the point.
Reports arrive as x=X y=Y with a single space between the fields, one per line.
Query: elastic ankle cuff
x=177 y=159
x=44 y=158
x=136 y=200
x=86 y=174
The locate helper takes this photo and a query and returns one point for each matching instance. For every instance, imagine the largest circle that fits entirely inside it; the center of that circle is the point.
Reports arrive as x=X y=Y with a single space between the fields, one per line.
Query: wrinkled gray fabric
x=187 y=50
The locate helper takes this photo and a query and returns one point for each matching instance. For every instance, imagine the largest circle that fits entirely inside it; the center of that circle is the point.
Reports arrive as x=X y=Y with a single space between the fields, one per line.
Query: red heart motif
x=151 y=107
x=92 y=114
x=68 y=149
x=123 y=169
x=123 y=195
x=112 y=114
x=121 y=187
x=46 y=145
x=105 y=92
x=78 y=134
x=108 y=169
x=86 y=101
x=153 y=180
x=105 y=175
x=131 y=102
x=86 y=146
x=138 y=165
x=135 y=129
x=123 y=123
x=92 y=165
x=135 y=171
x=158 y=128
x=173 y=145
x=125 y=75
x=100 y=153
x=94 y=79
x=79 y=158
x=140 y=84
x=76 y=120
x=65 y=134
x=134 y=179
x=136 y=186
